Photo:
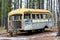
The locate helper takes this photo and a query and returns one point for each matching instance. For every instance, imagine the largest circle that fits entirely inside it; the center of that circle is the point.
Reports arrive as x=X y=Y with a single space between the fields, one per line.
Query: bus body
x=29 y=19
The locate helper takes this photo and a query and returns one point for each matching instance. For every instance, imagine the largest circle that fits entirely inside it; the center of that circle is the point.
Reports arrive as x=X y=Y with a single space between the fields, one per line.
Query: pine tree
x=5 y=8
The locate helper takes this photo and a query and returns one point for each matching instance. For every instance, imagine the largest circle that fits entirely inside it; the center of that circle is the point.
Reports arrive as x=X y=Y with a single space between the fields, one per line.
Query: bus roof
x=21 y=11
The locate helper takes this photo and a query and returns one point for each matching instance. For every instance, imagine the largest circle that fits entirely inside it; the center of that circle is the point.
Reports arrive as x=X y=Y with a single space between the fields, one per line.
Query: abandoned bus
x=29 y=19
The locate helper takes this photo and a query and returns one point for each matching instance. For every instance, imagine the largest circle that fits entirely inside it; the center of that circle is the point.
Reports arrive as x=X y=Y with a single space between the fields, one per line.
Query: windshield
x=16 y=17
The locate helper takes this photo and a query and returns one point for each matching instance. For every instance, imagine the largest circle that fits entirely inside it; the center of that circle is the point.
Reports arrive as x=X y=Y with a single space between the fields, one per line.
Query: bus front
x=14 y=22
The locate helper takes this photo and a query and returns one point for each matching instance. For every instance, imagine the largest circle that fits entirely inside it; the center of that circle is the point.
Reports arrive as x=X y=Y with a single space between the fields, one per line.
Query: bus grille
x=16 y=24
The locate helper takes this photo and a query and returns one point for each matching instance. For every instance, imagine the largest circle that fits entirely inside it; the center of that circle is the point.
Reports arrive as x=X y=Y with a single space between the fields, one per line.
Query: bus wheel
x=43 y=29
x=36 y=30
x=29 y=31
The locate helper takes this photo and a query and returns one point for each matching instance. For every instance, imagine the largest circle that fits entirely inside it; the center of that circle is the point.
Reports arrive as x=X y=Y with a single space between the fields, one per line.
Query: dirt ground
x=48 y=34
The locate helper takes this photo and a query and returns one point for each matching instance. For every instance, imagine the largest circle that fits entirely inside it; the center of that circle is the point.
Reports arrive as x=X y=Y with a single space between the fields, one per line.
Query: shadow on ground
x=32 y=33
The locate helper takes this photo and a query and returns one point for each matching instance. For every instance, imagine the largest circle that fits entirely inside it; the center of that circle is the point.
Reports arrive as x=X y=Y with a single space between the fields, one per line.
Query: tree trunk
x=58 y=24
x=58 y=21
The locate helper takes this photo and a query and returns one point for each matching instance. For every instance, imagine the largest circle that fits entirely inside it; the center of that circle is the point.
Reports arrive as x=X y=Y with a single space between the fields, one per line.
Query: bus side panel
x=39 y=25
x=50 y=23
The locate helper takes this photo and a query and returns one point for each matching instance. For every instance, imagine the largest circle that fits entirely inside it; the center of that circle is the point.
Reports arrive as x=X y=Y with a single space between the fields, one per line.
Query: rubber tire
x=29 y=31
x=43 y=29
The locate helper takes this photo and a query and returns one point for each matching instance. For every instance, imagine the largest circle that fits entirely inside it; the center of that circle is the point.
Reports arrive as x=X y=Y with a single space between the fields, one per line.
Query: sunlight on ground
x=2 y=30
x=54 y=28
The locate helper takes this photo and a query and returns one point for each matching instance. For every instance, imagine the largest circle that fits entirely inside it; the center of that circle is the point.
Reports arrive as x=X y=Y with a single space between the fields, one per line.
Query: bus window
x=15 y=17
x=45 y=16
x=33 y=16
x=50 y=16
x=27 y=16
x=41 y=15
x=37 y=16
x=11 y=18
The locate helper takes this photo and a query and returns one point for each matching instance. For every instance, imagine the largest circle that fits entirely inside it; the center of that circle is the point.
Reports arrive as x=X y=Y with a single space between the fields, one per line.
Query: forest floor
x=48 y=34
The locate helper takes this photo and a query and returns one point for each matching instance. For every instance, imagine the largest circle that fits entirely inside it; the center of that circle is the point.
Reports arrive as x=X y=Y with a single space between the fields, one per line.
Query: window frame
x=45 y=16
x=16 y=15
x=27 y=15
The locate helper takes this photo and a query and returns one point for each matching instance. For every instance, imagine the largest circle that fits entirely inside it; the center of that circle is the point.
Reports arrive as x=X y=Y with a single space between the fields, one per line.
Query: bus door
x=27 y=20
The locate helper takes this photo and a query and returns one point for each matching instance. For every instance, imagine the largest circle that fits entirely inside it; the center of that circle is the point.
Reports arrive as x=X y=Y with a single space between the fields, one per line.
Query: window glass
x=27 y=16
x=46 y=16
x=16 y=17
x=11 y=18
x=37 y=16
x=50 y=16
x=33 y=16
x=41 y=15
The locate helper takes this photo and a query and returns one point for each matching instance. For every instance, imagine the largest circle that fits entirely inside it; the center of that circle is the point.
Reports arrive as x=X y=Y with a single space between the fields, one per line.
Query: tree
x=58 y=24
x=58 y=20
x=5 y=8
x=0 y=12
